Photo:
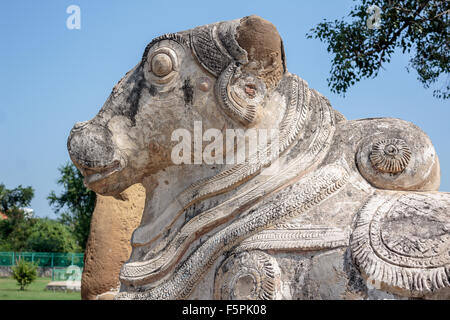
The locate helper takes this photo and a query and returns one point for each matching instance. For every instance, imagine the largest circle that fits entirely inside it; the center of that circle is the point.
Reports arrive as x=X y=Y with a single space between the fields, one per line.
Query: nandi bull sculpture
x=337 y=209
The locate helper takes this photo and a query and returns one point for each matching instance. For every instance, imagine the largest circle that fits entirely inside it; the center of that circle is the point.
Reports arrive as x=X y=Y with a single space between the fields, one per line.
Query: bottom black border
x=232 y=309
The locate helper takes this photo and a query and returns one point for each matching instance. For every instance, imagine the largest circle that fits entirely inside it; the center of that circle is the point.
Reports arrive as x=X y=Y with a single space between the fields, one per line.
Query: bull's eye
x=161 y=64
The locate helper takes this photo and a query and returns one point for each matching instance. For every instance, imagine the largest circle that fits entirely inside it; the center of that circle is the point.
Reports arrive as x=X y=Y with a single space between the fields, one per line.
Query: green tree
x=360 y=48
x=14 y=233
x=15 y=230
x=13 y=200
x=75 y=204
x=5 y=245
x=24 y=273
x=51 y=236
x=20 y=232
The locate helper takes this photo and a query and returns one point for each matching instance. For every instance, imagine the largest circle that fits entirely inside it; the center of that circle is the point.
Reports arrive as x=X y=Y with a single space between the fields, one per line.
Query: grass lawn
x=9 y=290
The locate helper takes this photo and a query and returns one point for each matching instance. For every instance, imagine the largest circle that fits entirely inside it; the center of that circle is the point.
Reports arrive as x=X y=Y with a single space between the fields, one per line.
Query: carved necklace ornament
x=403 y=241
x=390 y=155
x=252 y=275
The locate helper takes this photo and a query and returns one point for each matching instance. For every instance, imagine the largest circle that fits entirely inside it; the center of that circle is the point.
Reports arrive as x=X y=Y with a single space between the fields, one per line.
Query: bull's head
x=219 y=74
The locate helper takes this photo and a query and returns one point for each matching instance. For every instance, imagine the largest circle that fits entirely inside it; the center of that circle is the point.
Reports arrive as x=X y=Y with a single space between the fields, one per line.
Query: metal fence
x=43 y=259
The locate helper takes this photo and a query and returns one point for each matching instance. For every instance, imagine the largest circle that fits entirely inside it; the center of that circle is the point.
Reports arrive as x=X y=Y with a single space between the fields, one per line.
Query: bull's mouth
x=94 y=176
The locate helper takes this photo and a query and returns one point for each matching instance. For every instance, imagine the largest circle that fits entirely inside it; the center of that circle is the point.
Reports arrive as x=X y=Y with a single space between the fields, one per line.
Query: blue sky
x=53 y=77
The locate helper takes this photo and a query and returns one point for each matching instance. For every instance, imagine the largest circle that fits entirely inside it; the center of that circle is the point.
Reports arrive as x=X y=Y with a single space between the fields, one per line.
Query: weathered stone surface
x=108 y=247
x=328 y=208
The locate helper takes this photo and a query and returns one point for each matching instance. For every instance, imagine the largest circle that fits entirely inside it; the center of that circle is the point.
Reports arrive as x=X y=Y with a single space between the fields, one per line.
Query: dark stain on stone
x=152 y=90
x=356 y=283
x=188 y=90
x=134 y=97
x=194 y=210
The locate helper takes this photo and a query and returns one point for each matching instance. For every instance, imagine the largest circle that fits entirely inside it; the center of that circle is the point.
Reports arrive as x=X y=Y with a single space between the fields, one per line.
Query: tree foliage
x=51 y=236
x=13 y=199
x=22 y=233
x=14 y=234
x=36 y=234
x=75 y=204
x=15 y=230
x=417 y=27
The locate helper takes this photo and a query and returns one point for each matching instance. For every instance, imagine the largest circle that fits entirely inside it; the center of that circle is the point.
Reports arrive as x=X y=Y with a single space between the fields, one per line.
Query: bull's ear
x=242 y=87
x=240 y=95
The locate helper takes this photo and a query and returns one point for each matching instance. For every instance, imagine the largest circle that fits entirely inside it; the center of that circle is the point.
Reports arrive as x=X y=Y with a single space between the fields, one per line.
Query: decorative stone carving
x=294 y=237
x=252 y=275
x=400 y=160
x=403 y=241
x=289 y=220
x=390 y=155
x=311 y=190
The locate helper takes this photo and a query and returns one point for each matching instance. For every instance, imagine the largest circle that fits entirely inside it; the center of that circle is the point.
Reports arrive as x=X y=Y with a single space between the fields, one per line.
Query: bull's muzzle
x=92 y=150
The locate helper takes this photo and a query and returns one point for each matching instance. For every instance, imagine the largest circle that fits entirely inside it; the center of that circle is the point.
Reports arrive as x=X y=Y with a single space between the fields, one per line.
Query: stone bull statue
x=327 y=208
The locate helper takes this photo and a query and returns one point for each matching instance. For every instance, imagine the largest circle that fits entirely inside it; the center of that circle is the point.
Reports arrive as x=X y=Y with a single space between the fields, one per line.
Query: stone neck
x=174 y=190
x=303 y=152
